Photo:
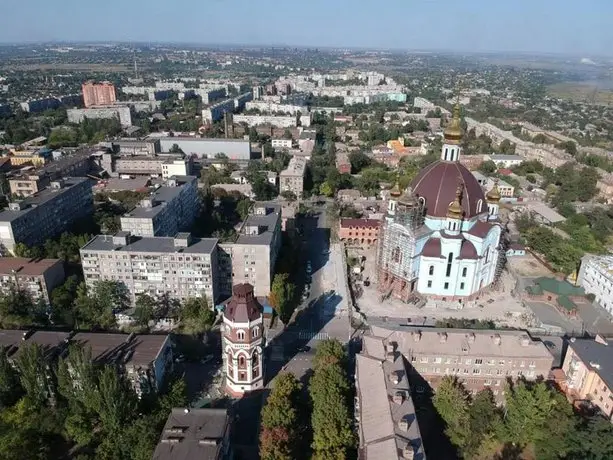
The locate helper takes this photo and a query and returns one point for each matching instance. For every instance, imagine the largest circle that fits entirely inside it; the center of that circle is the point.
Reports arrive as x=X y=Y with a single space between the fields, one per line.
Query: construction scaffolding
x=501 y=263
x=396 y=274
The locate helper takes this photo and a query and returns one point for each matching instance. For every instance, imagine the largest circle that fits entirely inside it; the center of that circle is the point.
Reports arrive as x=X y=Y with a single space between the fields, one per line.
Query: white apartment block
x=423 y=104
x=176 y=168
x=281 y=143
x=505 y=161
x=181 y=267
x=596 y=277
x=273 y=120
x=168 y=210
x=121 y=112
x=273 y=107
x=291 y=179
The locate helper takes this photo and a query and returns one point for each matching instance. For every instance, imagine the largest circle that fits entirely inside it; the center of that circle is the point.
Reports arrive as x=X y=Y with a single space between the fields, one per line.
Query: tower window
x=431 y=270
x=487 y=255
x=464 y=270
x=396 y=254
x=451 y=155
x=429 y=284
x=461 y=285
x=446 y=286
x=240 y=335
x=446 y=152
x=449 y=260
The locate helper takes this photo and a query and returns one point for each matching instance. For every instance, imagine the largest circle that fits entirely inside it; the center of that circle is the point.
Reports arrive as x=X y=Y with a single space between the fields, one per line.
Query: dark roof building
x=243 y=307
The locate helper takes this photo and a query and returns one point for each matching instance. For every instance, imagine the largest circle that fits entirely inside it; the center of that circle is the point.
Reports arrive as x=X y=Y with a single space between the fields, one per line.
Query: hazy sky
x=561 y=26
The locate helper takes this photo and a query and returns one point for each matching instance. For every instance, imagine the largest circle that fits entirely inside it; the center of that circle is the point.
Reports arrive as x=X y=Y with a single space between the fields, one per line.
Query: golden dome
x=453 y=131
x=455 y=210
x=395 y=190
x=408 y=198
x=493 y=196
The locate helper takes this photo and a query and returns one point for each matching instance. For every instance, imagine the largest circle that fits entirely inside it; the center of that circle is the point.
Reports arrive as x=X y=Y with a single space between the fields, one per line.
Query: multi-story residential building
x=169 y=209
x=121 y=112
x=274 y=120
x=281 y=143
x=195 y=434
x=273 y=107
x=487 y=183
x=181 y=267
x=40 y=105
x=588 y=373
x=217 y=111
x=478 y=358
x=505 y=161
x=176 y=167
x=291 y=179
x=234 y=149
x=252 y=256
x=145 y=360
x=37 y=277
x=596 y=277
x=46 y=214
x=144 y=165
x=359 y=231
x=384 y=410
x=28 y=184
x=102 y=93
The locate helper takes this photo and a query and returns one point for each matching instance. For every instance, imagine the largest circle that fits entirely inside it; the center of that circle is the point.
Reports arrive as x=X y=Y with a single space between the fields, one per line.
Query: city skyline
x=521 y=26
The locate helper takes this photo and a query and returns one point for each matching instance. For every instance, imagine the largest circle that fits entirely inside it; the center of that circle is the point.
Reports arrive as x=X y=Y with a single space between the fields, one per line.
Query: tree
x=114 y=400
x=62 y=301
x=10 y=387
x=288 y=195
x=17 y=309
x=484 y=421
x=359 y=161
x=488 y=167
x=243 y=207
x=451 y=402
x=280 y=421
x=262 y=189
x=197 y=316
x=281 y=296
x=329 y=352
x=34 y=375
x=326 y=189
x=175 y=149
x=96 y=309
x=144 y=310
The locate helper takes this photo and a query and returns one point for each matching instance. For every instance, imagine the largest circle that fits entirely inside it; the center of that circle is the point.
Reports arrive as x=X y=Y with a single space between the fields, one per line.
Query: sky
x=540 y=26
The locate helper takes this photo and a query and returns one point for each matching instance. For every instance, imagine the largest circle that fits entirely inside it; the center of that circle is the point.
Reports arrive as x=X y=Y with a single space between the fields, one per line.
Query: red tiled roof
x=468 y=251
x=25 y=266
x=371 y=223
x=243 y=307
x=432 y=248
x=505 y=172
x=480 y=229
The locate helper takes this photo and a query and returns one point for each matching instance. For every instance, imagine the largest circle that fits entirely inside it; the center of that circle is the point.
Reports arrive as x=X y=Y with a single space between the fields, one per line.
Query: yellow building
x=19 y=157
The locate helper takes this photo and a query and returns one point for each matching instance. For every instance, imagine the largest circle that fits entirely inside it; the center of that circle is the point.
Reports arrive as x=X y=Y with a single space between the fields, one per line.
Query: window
x=438 y=360
x=431 y=270
x=468 y=362
x=256 y=331
x=240 y=335
x=464 y=270
x=501 y=362
x=446 y=286
x=488 y=382
x=478 y=361
x=429 y=284
x=241 y=361
x=423 y=359
x=461 y=285
x=449 y=260
x=476 y=371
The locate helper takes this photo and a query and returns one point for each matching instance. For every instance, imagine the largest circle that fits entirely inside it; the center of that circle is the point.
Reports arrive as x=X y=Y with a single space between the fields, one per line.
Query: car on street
x=304 y=349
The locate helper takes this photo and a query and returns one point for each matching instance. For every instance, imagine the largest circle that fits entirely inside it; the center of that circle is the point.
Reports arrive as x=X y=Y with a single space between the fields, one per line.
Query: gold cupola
x=455 y=210
x=395 y=190
x=493 y=196
x=453 y=131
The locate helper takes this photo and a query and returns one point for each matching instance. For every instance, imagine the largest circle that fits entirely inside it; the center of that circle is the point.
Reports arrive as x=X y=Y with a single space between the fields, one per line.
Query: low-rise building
x=234 y=149
x=543 y=213
x=478 y=358
x=505 y=161
x=343 y=165
x=121 y=112
x=36 y=277
x=385 y=413
x=28 y=184
x=281 y=143
x=291 y=179
x=588 y=373
x=596 y=277
x=181 y=267
x=195 y=434
x=45 y=214
x=136 y=146
x=360 y=232
x=171 y=208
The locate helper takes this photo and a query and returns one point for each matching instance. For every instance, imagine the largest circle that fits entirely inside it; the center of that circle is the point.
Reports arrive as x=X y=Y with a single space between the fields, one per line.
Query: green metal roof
x=558 y=287
x=566 y=303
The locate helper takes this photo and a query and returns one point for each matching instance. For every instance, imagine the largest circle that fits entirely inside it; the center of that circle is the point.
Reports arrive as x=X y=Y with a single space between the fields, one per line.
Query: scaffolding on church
x=501 y=263
x=396 y=250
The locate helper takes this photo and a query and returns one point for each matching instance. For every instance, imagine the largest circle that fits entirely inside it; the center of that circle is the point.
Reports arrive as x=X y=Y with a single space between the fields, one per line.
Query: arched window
x=240 y=335
x=446 y=151
x=256 y=331
x=396 y=254
x=487 y=255
x=480 y=206
x=431 y=270
x=255 y=359
x=464 y=270
x=241 y=361
x=449 y=261
x=451 y=155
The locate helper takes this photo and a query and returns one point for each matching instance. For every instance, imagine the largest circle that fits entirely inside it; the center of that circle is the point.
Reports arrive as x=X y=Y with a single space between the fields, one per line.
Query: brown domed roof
x=437 y=184
x=243 y=307
x=432 y=248
x=468 y=250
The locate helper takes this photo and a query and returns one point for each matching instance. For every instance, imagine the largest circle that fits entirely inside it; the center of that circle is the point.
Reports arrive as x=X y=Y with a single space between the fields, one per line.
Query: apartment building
x=272 y=107
x=46 y=214
x=291 y=179
x=274 y=120
x=234 y=149
x=281 y=143
x=169 y=209
x=252 y=257
x=195 y=434
x=505 y=161
x=182 y=267
x=121 y=112
x=145 y=360
x=487 y=183
x=37 y=277
x=144 y=165
x=596 y=277
x=385 y=414
x=28 y=184
x=102 y=93
x=588 y=373
x=479 y=358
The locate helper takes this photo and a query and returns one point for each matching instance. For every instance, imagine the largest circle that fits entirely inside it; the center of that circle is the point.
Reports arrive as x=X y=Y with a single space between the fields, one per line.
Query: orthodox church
x=441 y=237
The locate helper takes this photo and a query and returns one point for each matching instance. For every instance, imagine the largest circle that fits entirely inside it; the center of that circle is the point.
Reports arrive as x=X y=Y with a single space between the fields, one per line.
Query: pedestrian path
x=313 y=335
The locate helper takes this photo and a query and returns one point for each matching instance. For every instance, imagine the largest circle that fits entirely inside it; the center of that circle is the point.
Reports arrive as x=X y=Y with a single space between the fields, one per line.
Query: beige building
x=479 y=358
x=252 y=257
x=28 y=184
x=588 y=373
x=181 y=267
x=37 y=277
x=291 y=179
x=384 y=411
x=98 y=93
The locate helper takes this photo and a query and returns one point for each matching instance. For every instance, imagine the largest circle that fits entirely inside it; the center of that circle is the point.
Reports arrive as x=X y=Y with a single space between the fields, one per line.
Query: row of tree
x=76 y=408
x=536 y=419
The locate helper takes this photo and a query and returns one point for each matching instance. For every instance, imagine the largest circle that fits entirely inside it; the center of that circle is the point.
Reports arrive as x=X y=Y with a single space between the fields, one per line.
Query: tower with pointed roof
x=243 y=342
x=493 y=201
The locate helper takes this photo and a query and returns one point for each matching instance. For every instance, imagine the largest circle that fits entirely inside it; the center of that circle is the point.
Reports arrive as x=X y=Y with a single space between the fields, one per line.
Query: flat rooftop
x=192 y=434
x=40 y=198
x=152 y=244
x=121 y=348
x=50 y=341
x=266 y=224
x=460 y=342
x=25 y=266
x=161 y=197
